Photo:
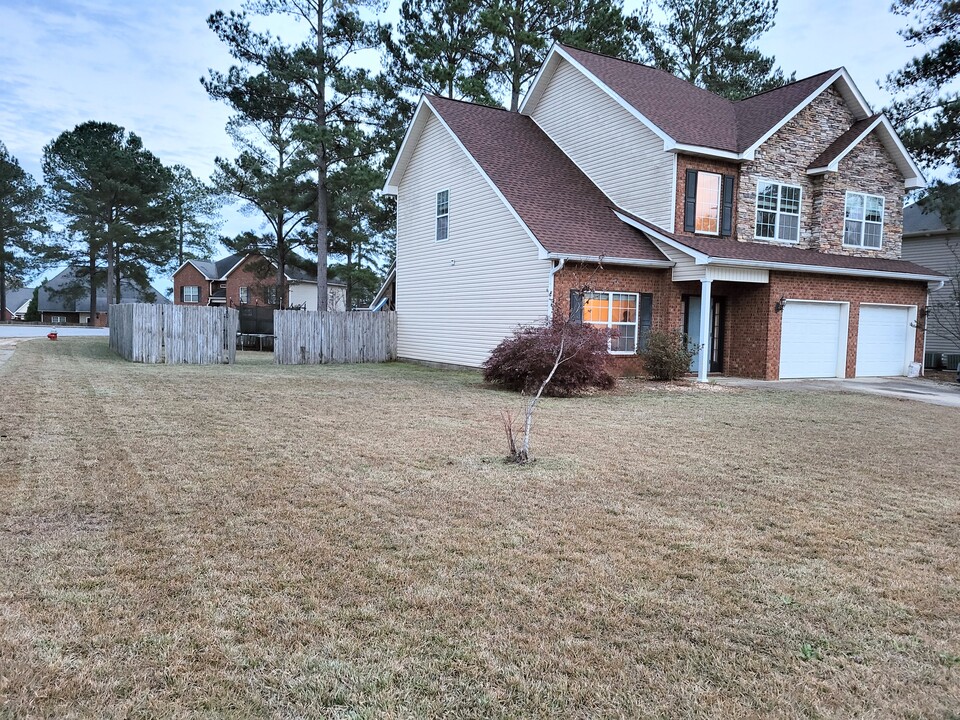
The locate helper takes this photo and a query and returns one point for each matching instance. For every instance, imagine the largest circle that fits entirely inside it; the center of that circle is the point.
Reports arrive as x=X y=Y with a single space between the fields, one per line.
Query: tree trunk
x=523 y=456
x=3 y=280
x=180 y=241
x=322 y=209
x=110 y=268
x=117 y=276
x=516 y=72
x=93 y=283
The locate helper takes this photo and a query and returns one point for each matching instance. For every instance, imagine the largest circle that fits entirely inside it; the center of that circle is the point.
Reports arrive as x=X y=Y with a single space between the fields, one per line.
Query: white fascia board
x=913 y=177
x=823 y=269
x=698 y=257
x=541 y=250
x=668 y=142
x=238 y=264
x=633 y=262
x=840 y=74
x=391 y=185
x=708 y=151
x=535 y=90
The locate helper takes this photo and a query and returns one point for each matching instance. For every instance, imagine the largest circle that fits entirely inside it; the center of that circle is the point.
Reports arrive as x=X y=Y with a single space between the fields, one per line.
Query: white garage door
x=884 y=341
x=810 y=340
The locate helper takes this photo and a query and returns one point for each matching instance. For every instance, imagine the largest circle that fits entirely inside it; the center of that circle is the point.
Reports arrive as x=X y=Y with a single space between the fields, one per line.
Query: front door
x=691 y=327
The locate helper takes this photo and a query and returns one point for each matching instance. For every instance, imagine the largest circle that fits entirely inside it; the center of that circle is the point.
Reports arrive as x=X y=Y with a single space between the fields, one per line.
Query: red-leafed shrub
x=522 y=362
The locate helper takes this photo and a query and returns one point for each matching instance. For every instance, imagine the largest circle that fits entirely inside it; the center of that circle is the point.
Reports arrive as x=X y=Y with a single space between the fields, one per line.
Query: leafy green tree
x=192 y=214
x=109 y=190
x=438 y=48
x=271 y=173
x=521 y=31
x=21 y=218
x=327 y=89
x=710 y=44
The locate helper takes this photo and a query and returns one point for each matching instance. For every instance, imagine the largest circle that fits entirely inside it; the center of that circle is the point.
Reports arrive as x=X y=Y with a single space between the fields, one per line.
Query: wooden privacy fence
x=174 y=333
x=304 y=337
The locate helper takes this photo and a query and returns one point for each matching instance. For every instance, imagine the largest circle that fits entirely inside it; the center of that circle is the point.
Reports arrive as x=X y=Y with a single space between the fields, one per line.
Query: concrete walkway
x=928 y=391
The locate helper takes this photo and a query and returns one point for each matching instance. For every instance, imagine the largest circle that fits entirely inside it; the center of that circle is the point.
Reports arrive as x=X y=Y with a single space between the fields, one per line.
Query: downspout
x=923 y=359
x=556 y=268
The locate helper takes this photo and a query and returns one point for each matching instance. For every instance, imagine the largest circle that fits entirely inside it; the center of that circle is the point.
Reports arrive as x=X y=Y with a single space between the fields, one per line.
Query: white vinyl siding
x=625 y=159
x=458 y=299
x=305 y=295
x=934 y=253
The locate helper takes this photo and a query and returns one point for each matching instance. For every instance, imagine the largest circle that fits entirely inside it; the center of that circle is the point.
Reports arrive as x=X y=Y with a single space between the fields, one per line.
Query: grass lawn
x=344 y=542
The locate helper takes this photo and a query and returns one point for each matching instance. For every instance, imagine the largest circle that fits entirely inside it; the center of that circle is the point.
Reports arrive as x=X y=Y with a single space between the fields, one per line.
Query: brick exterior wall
x=186 y=276
x=255 y=274
x=802 y=286
x=786 y=156
x=689 y=162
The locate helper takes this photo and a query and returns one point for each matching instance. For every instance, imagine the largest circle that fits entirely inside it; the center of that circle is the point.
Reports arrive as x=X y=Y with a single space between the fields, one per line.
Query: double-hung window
x=628 y=316
x=190 y=294
x=708 y=203
x=863 y=220
x=443 y=215
x=244 y=295
x=778 y=211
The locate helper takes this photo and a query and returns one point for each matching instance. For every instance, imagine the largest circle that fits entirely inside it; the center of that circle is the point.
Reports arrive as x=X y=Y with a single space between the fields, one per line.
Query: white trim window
x=708 y=202
x=778 y=211
x=244 y=295
x=443 y=215
x=191 y=293
x=615 y=311
x=863 y=220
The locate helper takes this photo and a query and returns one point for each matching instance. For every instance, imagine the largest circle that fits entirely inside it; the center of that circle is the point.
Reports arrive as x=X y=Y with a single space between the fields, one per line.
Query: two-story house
x=249 y=279
x=768 y=229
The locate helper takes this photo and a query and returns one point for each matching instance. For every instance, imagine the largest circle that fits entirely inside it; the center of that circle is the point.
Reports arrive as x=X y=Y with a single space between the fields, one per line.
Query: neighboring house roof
x=219 y=269
x=722 y=251
x=919 y=221
x=567 y=214
x=16 y=298
x=69 y=291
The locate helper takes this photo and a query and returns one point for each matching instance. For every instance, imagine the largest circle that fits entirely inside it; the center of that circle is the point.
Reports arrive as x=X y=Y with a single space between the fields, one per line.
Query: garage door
x=883 y=340
x=810 y=340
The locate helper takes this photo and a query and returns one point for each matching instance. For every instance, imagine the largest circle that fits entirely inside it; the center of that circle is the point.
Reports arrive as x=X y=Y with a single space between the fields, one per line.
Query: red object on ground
x=52 y=335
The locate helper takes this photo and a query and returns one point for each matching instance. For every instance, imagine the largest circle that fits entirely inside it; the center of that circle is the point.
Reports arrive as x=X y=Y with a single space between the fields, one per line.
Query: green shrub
x=668 y=354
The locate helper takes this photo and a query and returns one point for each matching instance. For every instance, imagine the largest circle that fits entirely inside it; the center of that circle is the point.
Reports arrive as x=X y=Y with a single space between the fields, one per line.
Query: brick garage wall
x=189 y=275
x=802 y=286
x=688 y=162
x=667 y=309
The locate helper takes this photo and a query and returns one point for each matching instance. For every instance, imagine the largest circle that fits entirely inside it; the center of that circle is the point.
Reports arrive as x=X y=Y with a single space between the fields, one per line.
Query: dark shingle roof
x=566 y=212
x=692 y=115
x=919 y=220
x=16 y=298
x=225 y=265
x=843 y=142
x=69 y=292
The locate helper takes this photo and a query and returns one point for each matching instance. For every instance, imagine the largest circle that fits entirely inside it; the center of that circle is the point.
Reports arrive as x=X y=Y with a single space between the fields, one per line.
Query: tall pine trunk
x=93 y=283
x=322 y=209
x=3 y=279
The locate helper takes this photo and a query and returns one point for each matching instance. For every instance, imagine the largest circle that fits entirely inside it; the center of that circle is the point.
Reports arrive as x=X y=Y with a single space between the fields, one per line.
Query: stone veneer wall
x=786 y=156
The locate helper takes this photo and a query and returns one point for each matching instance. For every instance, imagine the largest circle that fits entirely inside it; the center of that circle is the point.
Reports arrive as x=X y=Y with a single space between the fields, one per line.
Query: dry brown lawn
x=345 y=542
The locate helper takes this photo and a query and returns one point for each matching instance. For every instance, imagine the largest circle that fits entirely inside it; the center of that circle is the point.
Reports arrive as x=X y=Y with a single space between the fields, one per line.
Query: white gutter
x=556 y=268
x=635 y=262
x=822 y=269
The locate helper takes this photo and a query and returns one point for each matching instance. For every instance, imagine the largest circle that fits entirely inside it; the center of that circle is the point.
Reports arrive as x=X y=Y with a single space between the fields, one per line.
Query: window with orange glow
x=708 y=203
x=616 y=311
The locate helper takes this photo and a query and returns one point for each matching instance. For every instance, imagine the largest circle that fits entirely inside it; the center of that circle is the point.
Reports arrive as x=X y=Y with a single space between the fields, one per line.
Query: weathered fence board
x=146 y=333
x=313 y=338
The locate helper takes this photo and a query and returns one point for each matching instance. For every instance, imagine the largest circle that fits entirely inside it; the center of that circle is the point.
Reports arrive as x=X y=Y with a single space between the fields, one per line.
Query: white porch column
x=703 y=341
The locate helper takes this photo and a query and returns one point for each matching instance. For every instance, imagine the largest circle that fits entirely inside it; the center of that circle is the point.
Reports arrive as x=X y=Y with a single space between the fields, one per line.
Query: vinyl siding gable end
x=457 y=299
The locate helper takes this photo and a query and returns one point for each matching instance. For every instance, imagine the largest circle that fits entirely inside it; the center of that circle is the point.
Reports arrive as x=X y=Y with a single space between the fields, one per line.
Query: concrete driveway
x=928 y=391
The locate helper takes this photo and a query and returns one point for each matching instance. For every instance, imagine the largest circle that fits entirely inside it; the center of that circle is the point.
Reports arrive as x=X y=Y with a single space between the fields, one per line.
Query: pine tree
x=191 y=213
x=21 y=219
x=710 y=44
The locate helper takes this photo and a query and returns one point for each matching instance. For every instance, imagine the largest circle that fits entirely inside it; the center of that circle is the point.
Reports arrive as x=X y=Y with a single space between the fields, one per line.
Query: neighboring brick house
x=768 y=229
x=249 y=279
x=64 y=299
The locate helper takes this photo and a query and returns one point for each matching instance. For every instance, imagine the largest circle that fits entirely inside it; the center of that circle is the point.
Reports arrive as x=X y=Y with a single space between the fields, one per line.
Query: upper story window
x=270 y=295
x=190 y=294
x=244 y=295
x=863 y=220
x=778 y=211
x=443 y=215
x=708 y=203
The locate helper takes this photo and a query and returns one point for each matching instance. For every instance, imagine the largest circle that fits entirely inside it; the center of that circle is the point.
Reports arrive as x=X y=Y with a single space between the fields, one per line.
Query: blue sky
x=138 y=64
